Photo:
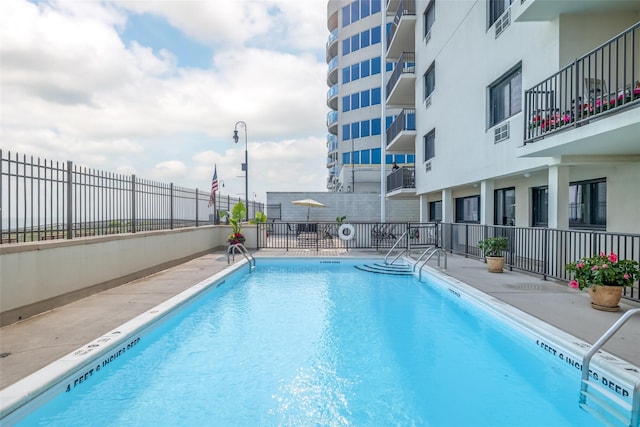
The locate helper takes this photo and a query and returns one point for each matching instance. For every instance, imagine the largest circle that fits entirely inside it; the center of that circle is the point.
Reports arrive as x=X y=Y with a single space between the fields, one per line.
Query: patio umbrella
x=309 y=203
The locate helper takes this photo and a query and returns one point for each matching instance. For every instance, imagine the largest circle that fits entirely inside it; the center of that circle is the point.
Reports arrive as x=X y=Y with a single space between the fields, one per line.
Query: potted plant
x=492 y=247
x=605 y=276
x=235 y=219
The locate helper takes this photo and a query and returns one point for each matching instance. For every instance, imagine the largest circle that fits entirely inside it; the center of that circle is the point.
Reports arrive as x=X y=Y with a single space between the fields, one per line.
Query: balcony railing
x=401 y=178
x=405 y=121
x=603 y=82
x=405 y=65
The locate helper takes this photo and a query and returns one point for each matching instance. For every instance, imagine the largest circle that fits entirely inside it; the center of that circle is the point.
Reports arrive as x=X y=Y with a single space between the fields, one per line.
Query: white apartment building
x=527 y=112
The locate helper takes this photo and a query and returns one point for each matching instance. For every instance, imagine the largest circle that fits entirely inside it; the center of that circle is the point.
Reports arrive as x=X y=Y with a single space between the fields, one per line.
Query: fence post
x=171 y=205
x=69 y=199
x=197 y=206
x=133 y=204
x=545 y=253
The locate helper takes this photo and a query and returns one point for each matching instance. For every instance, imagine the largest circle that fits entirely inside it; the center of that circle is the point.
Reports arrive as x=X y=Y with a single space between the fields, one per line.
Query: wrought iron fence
x=44 y=199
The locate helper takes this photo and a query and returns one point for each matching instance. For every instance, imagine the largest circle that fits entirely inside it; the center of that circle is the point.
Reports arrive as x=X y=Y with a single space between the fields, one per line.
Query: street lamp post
x=245 y=165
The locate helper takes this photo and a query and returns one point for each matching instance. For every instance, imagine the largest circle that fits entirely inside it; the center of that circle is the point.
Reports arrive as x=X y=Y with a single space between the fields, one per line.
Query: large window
x=430 y=145
x=435 y=211
x=505 y=206
x=505 y=96
x=429 y=17
x=430 y=80
x=540 y=206
x=497 y=8
x=468 y=209
x=588 y=204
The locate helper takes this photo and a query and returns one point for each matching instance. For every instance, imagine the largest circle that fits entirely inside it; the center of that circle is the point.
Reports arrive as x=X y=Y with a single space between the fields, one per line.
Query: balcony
x=332 y=45
x=332 y=122
x=401 y=134
x=592 y=100
x=332 y=72
x=332 y=143
x=402 y=182
x=545 y=10
x=401 y=86
x=401 y=34
x=332 y=97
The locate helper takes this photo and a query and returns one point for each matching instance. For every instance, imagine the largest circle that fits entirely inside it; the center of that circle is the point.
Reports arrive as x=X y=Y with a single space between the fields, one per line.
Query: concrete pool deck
x=31 y=344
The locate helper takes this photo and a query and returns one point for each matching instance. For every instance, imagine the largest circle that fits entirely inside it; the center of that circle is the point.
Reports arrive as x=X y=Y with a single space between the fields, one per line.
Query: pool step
x=392 y=269
x=608 y=408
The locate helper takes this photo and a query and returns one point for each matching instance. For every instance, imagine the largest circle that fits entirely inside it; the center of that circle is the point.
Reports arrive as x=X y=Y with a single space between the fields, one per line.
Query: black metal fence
x=44 y=199
x=542 y=251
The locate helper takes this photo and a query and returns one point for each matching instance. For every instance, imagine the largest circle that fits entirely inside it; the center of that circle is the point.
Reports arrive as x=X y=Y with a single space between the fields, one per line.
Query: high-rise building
x=515 y=112
x=355 y=57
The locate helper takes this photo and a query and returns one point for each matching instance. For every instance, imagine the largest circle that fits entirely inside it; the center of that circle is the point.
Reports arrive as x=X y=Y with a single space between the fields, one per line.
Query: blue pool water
x=324 y=344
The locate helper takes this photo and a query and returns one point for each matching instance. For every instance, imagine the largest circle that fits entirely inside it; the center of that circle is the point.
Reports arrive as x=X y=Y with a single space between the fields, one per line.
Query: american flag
x=214 y=185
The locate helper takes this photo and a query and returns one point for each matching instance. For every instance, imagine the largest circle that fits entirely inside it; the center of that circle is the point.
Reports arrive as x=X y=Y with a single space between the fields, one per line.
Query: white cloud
x=72 y=90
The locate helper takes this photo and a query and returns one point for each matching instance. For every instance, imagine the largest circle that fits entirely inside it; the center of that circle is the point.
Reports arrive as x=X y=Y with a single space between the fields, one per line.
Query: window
x=376 y=6
x=365 y=69
x=468 y=209
x=375 y=35
x=496 y=9
x=375 y=65
x=355 y=101
x=504 y=209
x=505 y=96
x=355 y=42
x=588 y=204
x=364 y=39
x=364 y=98
x=346 y=103
x=364 y=157
x=375 y=126
x=430 y=145
x=346 y=132
x=346 y=158
x=355 y=11
x=364 y=128
x=355 y=71
x=346 y=75
x=435 y=211
x=346 y=16
x=376 y=158
x=540 y=206
x=346 y=47
x=375 y=96
x=430 y=80
x=364 y=8
x=429 y=17
x=355 y=130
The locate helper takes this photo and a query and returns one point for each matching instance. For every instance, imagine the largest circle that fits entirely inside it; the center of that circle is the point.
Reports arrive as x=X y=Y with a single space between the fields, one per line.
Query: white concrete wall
x=33 y=273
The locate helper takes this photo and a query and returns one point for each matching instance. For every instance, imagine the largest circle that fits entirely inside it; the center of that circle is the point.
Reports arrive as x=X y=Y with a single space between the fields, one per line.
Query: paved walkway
x=33 y=343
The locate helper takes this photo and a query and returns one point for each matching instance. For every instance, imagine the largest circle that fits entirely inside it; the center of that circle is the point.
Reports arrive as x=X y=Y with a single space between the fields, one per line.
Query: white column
x=559 y=197
x=447 y=206
x=486 y=202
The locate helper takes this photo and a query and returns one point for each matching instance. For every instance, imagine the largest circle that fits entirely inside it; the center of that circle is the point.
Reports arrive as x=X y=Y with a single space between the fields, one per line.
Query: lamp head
x=235 y=136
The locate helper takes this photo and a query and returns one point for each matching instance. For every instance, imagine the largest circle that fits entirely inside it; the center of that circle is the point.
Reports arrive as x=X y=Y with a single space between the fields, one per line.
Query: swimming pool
x=319 y=342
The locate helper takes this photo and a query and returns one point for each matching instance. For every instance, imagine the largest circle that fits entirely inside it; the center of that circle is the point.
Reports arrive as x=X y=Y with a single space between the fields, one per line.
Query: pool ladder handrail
x=402 y=252
x=232 y=250
x=431 y=252
x=635 y=405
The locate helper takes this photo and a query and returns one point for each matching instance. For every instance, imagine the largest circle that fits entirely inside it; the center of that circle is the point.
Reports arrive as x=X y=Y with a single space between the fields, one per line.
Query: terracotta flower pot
x=605 y=298
x=495 y=264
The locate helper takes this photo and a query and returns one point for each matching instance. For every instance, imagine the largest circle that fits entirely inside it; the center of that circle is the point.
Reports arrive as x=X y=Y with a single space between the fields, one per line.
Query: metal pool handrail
x=239 y=248
x=434 y=250
x=635 y=406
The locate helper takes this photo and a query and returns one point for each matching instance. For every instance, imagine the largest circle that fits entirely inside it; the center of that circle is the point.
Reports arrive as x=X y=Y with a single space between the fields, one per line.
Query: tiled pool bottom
x=462 y=297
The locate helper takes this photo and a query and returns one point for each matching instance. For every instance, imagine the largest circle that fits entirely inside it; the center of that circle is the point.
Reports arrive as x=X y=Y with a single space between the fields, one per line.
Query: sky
x=155 y=89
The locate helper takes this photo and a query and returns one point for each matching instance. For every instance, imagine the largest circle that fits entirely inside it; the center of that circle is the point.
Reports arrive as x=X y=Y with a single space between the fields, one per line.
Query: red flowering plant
x=603 y=270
